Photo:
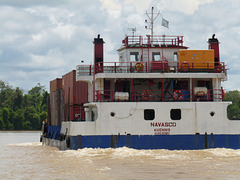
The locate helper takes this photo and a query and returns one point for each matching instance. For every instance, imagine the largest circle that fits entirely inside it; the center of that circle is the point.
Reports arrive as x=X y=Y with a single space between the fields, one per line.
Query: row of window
x=156 y=56
x=175 y=114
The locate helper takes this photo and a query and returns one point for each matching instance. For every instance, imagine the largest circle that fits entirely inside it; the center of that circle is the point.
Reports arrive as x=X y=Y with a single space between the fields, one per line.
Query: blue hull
x=171 y=142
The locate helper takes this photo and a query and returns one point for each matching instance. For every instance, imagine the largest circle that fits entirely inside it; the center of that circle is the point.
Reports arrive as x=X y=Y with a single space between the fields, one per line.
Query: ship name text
x=163 y=124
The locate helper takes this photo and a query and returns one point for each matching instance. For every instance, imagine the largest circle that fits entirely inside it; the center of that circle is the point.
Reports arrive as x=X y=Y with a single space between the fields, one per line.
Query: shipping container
x=196 y=59
x=76 y=113
x=58 y=107
x=75 y=92
x=81 y=92
x=54 y=85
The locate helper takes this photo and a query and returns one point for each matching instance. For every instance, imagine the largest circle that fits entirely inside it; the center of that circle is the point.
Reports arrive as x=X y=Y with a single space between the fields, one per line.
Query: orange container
x=196 y=59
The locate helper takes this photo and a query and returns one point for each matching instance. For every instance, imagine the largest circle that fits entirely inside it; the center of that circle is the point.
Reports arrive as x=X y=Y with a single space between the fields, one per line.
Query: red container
x=81 y=92
x=75 y=92
x=54 y=85
x=76 y=112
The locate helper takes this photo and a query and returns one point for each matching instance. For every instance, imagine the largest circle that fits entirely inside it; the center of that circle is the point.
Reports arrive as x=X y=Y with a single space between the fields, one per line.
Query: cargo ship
x=158 y=95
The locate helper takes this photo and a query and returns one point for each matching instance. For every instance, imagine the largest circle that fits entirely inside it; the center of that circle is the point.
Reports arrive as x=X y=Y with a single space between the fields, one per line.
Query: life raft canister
x=146 y=94
x=139 y=66
x=177 y=95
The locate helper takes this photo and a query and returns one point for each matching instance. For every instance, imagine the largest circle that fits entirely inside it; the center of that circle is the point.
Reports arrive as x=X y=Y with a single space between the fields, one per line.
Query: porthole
x=175 y=114
x=212 y=113
x=149 y=114
x=112 y=114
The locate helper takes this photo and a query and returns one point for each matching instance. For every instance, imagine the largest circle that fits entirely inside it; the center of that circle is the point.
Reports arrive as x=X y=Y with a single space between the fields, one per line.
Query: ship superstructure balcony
x=155 y=81
x=152 y=67
x=161 y=95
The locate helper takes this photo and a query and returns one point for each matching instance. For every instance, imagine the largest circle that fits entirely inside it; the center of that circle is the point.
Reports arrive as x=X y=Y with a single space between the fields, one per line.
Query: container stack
x=67 y=97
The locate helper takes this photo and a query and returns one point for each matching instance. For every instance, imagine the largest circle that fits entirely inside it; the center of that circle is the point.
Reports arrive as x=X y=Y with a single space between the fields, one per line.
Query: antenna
x=152 y=19
x=132 y=29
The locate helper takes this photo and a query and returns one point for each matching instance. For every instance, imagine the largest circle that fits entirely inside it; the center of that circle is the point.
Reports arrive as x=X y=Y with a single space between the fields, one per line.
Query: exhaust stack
x=98 y=53
x=213 y=43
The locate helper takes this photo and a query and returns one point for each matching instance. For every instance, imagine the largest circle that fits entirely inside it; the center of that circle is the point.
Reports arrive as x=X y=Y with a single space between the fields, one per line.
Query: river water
x=23 y=157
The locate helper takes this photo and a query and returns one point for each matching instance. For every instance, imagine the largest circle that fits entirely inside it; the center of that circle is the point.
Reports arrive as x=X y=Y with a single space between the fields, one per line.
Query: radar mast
x=152 y=19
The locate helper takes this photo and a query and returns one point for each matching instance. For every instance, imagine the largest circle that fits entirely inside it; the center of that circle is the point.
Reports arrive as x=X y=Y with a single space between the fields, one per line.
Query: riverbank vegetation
x=22 y=111
x=234 y=109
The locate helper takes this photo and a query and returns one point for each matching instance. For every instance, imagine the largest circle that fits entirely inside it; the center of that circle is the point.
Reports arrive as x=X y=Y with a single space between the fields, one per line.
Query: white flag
x=165 y=23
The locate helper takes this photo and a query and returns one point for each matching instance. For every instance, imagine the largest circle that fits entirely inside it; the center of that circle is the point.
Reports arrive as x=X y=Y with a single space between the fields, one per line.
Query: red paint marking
x=163 y=124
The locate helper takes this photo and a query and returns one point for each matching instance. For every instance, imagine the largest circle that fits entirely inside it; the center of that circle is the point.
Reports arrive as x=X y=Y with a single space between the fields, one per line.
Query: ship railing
x=104 y=96
x=215 y=95
x=155 y=40
x=164 y=40
x=85 y=70
x=160 y=95
x=133 y=40
x=163 y=95
x=163 y=66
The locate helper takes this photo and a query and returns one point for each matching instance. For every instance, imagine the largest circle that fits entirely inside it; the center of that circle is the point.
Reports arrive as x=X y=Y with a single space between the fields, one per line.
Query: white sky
x=42 y=40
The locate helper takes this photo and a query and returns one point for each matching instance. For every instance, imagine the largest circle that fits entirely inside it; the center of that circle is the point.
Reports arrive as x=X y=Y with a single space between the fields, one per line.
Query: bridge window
x=175 y=114
x=149 y=114
x=134 y=56
x=156 y=56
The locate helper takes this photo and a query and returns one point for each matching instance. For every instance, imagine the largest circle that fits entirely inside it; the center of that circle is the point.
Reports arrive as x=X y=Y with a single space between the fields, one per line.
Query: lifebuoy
x=139 y=66
x=185 y=66
x=177 y=95
x=146 y=94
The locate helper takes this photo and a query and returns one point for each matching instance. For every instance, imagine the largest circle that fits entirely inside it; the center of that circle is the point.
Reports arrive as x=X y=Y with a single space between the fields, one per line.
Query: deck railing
x=151 y=67
x=156 y=40
x=160 y=95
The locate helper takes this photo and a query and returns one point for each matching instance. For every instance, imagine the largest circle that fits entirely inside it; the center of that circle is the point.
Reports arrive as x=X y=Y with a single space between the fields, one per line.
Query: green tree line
x=22 y=111
x=234 y=109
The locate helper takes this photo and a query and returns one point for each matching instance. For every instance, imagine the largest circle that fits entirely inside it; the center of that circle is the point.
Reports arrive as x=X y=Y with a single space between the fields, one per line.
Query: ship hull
x=200 y=125
x=171 y=142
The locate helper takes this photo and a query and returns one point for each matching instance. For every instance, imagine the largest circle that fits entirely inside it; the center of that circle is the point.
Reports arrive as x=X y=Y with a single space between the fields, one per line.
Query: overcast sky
x=42 y=39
